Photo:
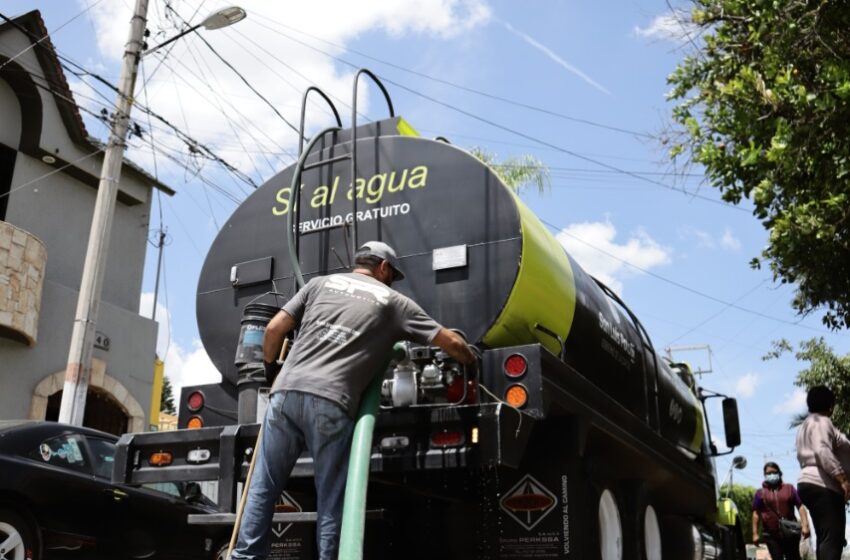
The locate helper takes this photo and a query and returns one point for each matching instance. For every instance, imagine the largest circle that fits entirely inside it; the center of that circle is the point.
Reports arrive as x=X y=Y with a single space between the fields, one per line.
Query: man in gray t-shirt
x=347 y=324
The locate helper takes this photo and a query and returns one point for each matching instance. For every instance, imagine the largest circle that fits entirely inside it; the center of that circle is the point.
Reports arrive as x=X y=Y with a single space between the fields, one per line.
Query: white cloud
x=794 y=403
x=189 y=366
x=729 y=241
x=673 y=26
x=746 y=385
x=707 y=240
x=592 y=244
x=194 y=90
x=558 y=60
x=183 y=366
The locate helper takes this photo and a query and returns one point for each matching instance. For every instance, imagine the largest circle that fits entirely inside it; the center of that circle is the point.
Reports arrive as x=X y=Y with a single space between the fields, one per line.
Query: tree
x=743 y=497
x=166 y=403
x=825 y=368
x=763 y=104
x=516 y=172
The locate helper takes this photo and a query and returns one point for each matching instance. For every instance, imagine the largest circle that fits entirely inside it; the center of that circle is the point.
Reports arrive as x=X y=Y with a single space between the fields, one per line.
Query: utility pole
x=160 y=245
x=78 y=370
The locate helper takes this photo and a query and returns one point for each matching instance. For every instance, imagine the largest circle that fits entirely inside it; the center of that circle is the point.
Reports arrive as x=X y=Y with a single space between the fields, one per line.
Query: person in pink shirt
x=823 y=485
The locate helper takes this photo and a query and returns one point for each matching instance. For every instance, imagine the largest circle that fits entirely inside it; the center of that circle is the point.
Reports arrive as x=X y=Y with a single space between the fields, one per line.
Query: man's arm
x=277 y=329
x=804 y=521
x=755 y=527
x=454 y=345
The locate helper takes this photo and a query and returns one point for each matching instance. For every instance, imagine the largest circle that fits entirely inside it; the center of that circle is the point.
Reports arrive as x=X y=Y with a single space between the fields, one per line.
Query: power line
x=47 y=35
x=680 y=285
x=448 y=83
x=50 y=173
x=238 y=73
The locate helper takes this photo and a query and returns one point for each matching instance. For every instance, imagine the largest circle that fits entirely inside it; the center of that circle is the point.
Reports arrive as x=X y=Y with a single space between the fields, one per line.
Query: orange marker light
x=160 y=459
x=516 y=396
x=194 y=423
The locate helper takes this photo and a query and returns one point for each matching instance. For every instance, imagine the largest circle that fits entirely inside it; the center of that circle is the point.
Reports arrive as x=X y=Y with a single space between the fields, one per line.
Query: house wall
x=58 y=210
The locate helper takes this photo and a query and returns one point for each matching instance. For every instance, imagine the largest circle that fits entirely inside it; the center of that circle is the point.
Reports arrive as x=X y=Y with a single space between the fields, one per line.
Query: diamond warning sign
x=528 y=502
x=284 y=504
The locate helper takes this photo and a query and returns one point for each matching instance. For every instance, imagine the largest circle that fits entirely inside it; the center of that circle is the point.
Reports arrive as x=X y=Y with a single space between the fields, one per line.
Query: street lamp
x=738 y=462
x=221 y=18
x=78 y=369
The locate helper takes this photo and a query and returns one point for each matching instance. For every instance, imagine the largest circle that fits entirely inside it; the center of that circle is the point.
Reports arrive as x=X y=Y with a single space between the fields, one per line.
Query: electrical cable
x=680 y=285
x=53 y=172
x=35 y=44
x=445 y=82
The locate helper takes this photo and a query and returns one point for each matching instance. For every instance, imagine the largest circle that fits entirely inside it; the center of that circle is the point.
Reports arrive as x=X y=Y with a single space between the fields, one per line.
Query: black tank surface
x=415 y=194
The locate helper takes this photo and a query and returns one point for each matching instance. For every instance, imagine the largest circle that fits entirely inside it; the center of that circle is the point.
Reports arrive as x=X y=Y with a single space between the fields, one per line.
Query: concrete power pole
x=78 y=370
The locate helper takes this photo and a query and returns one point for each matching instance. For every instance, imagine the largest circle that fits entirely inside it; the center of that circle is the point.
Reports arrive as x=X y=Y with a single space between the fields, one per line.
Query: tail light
x=447 y=438
x=454 y=392
x=515 y=365
x=160 y=459
x=195 y=402
x=198 y=456
x=195 y=422
x=516 y=396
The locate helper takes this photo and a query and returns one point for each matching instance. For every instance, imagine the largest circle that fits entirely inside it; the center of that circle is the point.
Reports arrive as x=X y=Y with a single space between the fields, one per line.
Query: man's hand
x=806 y=532
x=845 y=487
x=276 y=331
x=756 y=538
x=271 y=369
x=455 y=346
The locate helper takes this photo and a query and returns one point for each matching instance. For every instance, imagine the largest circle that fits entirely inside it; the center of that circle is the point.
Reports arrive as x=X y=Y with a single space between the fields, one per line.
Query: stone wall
x=22 y=264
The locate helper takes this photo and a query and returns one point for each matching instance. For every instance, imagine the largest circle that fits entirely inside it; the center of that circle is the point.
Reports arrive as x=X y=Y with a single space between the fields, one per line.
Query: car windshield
x=103 y=456
x=62 y=451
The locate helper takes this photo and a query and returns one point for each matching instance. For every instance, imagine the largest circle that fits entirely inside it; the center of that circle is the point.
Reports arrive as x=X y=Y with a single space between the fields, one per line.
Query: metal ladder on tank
x=354 y=506
x=293 y=230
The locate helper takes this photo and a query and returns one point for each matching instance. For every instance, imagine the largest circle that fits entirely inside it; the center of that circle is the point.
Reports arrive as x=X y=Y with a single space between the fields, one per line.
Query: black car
x=57 y=500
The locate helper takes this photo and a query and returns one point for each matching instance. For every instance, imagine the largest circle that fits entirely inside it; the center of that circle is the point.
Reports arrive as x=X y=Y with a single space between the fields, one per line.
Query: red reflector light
x=194 y=423
x=195 y=402
x=516 y=365
x=447 y=439
x=454 y=392
x=160 y=459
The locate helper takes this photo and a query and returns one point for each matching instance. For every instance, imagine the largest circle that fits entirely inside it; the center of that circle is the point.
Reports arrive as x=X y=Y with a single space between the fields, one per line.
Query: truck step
x=294 y=517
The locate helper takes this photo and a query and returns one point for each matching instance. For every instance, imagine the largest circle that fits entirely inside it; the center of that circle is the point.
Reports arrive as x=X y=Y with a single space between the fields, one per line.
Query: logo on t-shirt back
x=355 y=288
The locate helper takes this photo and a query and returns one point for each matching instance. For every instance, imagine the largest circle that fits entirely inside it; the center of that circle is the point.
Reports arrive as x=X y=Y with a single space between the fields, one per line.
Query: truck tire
x=605 y=537
x=651 y=549
x=641 y=525
x=18 y=537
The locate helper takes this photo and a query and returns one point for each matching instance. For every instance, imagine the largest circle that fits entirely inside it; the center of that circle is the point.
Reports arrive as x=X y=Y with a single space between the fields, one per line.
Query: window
x=169 y=488
x=103 y=457
x=7 y=169
x=62 y=451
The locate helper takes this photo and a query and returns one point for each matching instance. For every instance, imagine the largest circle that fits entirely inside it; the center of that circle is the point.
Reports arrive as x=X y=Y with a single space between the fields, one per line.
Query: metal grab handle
x=295 y=193
x=301 y=137
x=354 y=143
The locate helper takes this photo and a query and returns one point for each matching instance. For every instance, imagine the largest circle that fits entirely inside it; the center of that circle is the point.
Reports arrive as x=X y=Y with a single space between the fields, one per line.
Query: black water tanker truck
x=574 y=439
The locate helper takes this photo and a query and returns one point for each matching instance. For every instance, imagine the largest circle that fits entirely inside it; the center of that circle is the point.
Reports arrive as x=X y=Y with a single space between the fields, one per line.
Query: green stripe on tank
x=544 y=292
x=405 y=129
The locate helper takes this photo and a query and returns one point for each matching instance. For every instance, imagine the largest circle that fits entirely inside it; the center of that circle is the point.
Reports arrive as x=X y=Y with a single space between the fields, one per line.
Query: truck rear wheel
x=651 y=535
x=610 y=526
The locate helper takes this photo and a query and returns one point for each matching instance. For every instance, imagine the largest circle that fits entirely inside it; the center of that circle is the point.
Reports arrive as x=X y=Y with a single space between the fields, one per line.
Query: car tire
x=18 y=537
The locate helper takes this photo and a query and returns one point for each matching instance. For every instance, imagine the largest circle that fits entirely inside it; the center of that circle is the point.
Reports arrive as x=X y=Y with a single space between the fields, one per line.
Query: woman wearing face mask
x=776 y=500
x=823 y=484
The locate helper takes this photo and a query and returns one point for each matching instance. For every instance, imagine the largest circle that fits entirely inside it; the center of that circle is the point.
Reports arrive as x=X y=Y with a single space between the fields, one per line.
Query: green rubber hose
x=354 y=508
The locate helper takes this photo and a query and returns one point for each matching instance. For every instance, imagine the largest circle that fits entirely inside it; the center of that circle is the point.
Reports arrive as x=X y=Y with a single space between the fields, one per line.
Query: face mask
x=773 y=478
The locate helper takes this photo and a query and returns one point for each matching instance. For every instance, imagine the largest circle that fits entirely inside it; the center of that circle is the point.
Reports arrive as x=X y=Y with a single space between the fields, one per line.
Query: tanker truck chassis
x=574 y=439
x=569 y=477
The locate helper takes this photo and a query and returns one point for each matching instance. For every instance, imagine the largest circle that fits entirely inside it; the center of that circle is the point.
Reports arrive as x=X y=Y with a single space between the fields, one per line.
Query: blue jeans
x=295 y=421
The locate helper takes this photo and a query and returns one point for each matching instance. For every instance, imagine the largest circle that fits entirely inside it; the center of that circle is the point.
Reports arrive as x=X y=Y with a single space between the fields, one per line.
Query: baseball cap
x=382 y=251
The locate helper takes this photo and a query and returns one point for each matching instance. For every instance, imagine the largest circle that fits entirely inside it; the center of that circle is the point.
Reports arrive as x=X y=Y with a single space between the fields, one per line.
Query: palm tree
x=517 y=172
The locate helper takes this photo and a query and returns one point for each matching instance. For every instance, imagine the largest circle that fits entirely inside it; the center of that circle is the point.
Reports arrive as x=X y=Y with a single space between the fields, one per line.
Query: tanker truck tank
x=475 y=258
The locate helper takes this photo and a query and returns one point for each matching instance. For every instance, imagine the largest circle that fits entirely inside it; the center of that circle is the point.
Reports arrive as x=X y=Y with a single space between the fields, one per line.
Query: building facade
x=49 y=170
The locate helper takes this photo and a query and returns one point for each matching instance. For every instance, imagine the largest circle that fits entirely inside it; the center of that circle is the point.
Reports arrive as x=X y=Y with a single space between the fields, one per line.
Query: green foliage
x=166 y=403
x=517 y=172
x=825 y=367
x=764 y=106
x=742 y=495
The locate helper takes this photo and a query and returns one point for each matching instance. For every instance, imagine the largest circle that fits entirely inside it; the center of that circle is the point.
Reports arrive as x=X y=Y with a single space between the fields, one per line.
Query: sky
x=587 y=85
